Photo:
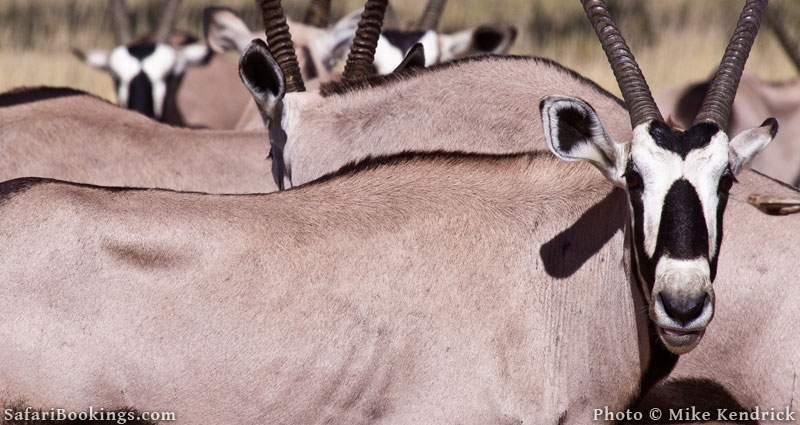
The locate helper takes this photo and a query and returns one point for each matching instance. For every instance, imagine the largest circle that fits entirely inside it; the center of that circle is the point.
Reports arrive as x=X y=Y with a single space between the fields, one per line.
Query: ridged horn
x=362 y=53
x=166 y=23
x=318 y=13
x=634 y=88
x=432 y=15
x=280 y=43
x=789 y=44
x=717 y=105
x=122 y=21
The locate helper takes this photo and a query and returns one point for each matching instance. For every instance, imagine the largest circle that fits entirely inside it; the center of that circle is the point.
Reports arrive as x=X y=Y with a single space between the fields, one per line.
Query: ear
x=747 y=144
x=493 y=39
x=481 y=40
x=454 y=45
x=573 y=132
x=415 y=59
x=96 y=58
x=191 y=55
x=224 y=30
x=263 y=77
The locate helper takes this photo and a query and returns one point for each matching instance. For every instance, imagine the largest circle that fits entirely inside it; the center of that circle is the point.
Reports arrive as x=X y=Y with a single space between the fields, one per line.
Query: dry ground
x=676 y=41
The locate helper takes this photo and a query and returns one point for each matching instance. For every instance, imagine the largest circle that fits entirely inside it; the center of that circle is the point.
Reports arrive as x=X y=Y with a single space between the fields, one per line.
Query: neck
x=656 y=361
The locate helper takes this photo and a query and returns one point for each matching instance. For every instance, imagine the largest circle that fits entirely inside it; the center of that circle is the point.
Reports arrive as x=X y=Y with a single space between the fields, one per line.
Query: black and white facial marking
x=145 y=72
x=394 y=45
x=141 y=72
x=677 y=184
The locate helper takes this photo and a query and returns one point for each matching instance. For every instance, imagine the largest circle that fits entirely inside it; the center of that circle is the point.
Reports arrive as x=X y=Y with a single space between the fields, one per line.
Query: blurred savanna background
x=675 y=41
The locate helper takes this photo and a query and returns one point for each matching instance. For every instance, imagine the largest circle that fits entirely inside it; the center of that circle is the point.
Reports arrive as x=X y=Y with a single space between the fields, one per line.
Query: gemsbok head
x=677 y=181
x=440 y=47
x=318 y=45
x=321 y=50
x=146 y=71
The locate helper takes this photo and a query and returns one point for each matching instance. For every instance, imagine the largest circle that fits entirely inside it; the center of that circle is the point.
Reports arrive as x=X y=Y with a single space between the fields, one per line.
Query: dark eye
x=634 y=180
x=726 y=182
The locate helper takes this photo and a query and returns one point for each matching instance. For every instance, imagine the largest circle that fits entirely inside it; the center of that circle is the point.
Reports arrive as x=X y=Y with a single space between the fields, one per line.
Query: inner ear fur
x=574 y=132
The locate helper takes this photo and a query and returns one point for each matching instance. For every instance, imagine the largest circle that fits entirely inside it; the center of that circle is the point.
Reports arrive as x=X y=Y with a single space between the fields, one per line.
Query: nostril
x=683 y=309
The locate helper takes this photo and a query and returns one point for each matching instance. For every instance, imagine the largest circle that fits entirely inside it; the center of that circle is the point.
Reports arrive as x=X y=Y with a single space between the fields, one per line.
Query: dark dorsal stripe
x=403 y=40
x=141 y=50
x=25 y=95
x=682 y=142
x=342 y=88
x=140 y=95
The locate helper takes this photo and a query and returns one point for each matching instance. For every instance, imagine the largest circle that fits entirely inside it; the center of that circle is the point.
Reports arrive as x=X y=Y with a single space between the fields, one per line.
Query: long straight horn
x=318 y=13
x=716 y=107
x=788 y=43
x=280 y=43
x=362 y=53
x=432 y=15
x=166 y=23
x=122 y=21
x=635 y=91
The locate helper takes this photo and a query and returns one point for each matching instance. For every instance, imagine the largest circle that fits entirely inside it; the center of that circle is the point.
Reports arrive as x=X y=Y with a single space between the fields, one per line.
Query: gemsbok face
x=440 y=47
x=677 y=181
x=146 y=72
x=320 y=51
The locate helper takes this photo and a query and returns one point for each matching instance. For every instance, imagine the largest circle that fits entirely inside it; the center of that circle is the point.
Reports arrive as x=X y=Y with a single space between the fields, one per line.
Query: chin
x=680 y=342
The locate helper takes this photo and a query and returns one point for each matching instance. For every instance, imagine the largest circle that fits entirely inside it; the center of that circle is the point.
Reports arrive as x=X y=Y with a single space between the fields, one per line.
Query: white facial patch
x=704 y=168
x=158 y=66
x=660 y=168
x=125 y=67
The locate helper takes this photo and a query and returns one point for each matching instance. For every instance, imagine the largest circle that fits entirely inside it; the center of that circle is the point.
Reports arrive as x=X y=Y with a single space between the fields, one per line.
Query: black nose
x=683 y=309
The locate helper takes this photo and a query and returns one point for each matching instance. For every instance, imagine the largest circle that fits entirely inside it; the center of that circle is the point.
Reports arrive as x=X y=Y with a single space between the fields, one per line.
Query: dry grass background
x=676 y=41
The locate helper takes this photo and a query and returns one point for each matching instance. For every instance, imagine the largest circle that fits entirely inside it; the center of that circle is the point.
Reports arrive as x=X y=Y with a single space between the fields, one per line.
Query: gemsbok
x=756 y=98
x=147 y=72
x=369 y=295
x=675 y=178
x=320 y=50
x=173 y=76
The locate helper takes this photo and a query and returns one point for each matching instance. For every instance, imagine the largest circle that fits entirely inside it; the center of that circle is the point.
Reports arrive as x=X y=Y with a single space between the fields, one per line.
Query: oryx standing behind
x=147 y=71
x=321 y=50
x=755 y=99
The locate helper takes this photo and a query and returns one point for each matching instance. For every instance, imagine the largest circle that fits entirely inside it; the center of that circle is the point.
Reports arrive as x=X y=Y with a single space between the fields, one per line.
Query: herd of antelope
x=363 y=225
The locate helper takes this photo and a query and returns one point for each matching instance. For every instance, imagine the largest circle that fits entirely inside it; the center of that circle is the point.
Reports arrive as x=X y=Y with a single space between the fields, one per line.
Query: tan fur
x=210 y=96
x=756 y=100
x=489 y=105
x=409 y=293
x=83 y=139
